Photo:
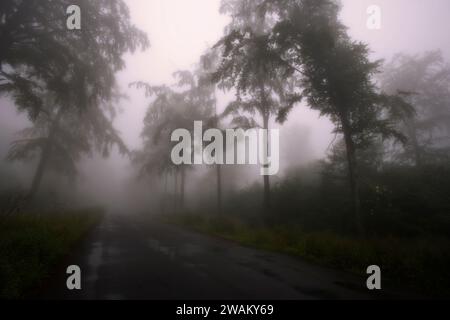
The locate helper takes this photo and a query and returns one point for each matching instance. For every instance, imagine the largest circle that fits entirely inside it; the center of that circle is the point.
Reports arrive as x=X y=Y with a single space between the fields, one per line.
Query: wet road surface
x=126 y=258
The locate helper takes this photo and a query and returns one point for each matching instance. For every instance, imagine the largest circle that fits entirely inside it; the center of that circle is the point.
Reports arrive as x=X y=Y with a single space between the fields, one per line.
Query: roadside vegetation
x=420 y=264
x=405 y=212
x=380 y=194
x=31 y=245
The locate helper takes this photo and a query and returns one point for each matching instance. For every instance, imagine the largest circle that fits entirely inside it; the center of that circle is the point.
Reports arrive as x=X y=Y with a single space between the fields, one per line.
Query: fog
x=180 y=31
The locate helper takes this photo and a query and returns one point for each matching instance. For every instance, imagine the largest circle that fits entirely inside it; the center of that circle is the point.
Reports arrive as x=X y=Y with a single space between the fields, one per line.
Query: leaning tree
x=59 y=76
x=60 y=137
x=39 y=52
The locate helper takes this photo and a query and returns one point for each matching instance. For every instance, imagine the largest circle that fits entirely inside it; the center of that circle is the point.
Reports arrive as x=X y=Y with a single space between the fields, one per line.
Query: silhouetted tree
x=337 y=78
x=52 y=72
x=250 y=66
x=39 y=52
x=173 y=108
x=423 y=81
x=208 y=64
x=60 y=137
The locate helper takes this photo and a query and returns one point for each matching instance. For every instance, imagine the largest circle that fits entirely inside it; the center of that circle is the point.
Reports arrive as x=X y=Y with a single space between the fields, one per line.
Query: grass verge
x=420 y=264
x=30 y=245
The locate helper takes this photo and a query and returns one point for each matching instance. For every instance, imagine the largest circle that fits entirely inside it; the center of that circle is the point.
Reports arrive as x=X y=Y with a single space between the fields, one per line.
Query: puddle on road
x=155 y=245
x=186 y=250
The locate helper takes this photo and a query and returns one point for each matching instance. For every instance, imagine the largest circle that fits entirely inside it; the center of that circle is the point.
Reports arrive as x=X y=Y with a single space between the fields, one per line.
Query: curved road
x=127 y=257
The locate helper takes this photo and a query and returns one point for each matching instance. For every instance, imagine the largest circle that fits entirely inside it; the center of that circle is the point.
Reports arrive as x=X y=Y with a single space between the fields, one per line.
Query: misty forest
x=87 y=174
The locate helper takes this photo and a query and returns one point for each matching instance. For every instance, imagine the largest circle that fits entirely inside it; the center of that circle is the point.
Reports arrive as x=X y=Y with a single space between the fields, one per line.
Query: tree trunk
x=412 y=132
x=182 y=187
x=266 y=179
x=175 y=196
x=37 y=179
x=219 y=188
x=218 y=166
x=353 y=178
x=165 y=191
x=45 y=156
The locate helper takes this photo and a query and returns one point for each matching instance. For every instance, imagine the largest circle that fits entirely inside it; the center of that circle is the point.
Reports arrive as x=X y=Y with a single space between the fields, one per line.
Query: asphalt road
x=127 y=258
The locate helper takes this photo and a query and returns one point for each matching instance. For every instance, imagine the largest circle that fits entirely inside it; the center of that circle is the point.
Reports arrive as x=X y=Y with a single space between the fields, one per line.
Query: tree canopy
x=65 y=80
x=424 y=82
x=39 y=53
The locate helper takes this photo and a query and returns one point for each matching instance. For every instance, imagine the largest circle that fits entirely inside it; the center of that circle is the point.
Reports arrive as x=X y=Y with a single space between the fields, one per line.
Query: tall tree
x=52 y=73
x=250 y=65
x=208 y=64
x=173 y=107
x=424 y=82
x=60 y=137
x=337 y=78
x=161 y=119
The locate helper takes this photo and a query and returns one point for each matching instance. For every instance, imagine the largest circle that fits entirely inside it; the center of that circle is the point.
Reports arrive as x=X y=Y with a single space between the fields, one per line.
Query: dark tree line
x=276 y=54
x=284 y=52
x=192 y=98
